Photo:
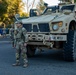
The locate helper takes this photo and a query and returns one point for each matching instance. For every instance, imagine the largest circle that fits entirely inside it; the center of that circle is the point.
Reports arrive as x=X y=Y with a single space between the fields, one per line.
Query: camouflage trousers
x=12 y=42
x=21 y=51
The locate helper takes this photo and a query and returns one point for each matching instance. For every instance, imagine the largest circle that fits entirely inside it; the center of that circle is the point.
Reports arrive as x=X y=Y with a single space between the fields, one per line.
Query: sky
x=50 y=2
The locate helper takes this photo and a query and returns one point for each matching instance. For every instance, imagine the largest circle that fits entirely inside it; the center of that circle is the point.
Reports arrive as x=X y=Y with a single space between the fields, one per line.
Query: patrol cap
x=18 y=22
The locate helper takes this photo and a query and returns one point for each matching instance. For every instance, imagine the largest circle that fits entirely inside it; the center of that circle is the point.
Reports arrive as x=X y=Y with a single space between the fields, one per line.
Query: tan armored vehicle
x=55 y=28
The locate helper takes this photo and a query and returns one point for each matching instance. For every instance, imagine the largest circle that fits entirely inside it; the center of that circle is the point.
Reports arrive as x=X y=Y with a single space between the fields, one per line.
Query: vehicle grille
x=42 y=27
x=35 y=28
x=28 y=27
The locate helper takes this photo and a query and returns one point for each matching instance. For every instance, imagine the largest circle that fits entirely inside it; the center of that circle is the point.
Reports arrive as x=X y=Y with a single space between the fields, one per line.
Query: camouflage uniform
x=20 y=38
x=4 y=32
x=11 y=33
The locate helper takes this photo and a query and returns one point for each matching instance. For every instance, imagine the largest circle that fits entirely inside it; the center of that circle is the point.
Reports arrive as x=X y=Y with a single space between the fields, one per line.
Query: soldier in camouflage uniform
x=11 y=33
x=20 y=37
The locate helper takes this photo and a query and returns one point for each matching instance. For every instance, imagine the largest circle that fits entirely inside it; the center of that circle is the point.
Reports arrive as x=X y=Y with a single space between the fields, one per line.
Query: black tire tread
x=68 y=48
x=30 y=51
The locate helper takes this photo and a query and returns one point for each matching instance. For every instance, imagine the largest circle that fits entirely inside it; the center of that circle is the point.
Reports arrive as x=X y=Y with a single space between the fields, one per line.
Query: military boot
x=25 y=63
x=16 y=64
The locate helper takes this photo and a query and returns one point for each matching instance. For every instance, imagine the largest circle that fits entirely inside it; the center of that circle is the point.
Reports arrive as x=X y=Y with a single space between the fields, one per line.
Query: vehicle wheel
x=69 y=48
x=30 y=50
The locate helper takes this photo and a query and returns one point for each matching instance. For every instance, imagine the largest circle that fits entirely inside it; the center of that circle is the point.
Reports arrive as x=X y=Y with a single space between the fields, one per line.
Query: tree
x=14 y=7
x=3 y=8
x=29 y=5
x=40 y=5
x=8 y=9
x=74 y=0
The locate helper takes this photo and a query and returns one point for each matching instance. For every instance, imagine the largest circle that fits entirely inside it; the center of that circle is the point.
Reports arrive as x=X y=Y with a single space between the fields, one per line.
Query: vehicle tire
x=30 y=50
x=69 y=47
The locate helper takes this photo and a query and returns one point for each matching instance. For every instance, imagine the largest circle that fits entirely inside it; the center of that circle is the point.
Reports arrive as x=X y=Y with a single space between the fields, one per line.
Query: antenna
x=17 y=16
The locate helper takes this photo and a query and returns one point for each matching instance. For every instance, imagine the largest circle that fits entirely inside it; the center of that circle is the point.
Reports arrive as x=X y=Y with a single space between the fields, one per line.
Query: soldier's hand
x=14 y=46
x=29 y=38
x=25 y=44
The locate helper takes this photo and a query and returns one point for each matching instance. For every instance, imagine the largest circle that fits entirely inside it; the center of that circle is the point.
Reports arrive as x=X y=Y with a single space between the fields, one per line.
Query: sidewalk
x=5 y=39
x=1 y=36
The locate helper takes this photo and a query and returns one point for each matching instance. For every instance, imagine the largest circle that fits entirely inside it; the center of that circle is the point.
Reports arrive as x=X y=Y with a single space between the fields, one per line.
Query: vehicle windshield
x=70 y=7
x=50 y=9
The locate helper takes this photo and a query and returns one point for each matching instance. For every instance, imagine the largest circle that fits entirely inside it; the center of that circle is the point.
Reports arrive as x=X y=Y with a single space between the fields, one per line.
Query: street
x=49 y=62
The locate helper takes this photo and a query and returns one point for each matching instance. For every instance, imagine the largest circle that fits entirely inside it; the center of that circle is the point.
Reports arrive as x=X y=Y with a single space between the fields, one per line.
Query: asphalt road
x=49 y=62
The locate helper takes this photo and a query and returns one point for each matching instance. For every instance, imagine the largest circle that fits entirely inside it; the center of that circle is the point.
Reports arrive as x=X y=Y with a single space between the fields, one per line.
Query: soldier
x=11 y=33
x=4 y=32
x=21 y=42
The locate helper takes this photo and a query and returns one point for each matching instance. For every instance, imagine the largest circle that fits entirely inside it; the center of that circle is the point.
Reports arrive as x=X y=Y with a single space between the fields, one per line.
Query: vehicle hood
x=44 y=18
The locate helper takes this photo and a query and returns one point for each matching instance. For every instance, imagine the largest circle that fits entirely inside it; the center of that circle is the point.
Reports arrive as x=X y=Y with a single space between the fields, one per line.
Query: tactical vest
x=20 y=34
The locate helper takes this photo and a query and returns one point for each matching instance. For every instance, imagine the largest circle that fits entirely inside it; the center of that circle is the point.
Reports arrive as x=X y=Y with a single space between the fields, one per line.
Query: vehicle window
x=51 y=9
x=28 y=27
x=71 y=7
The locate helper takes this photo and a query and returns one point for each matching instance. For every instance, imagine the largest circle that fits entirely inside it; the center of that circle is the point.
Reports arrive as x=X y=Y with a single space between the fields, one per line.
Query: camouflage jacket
x=11 y=32
x=20 y=34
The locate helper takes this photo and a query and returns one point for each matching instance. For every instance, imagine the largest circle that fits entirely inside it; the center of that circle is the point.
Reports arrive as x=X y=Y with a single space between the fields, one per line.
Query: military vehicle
x=55 y=28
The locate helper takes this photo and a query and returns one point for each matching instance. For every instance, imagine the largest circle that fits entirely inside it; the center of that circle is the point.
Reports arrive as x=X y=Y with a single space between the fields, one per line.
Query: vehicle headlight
x=60 y=24
x=55 y=27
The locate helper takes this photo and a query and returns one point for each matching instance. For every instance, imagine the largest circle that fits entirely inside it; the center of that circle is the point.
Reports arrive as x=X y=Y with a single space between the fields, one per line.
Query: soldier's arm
x=15 y=35
x=25 y=34
x=10 y=32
